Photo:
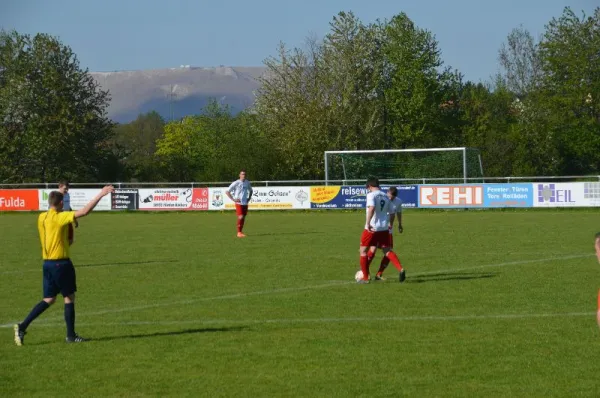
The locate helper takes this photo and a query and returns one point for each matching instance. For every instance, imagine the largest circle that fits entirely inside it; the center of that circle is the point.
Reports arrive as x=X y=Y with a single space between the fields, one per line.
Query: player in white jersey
x=240 y=191
x=63 y=187
x=376 y=232
x=394 y=212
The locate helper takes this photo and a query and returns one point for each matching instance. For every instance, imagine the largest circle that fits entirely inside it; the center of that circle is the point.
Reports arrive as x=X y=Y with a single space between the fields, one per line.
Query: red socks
x=364 y=266
x=394 y=259
x=240 y=224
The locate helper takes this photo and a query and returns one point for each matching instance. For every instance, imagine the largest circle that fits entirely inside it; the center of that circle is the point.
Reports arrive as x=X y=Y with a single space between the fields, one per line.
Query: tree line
x=380 y=85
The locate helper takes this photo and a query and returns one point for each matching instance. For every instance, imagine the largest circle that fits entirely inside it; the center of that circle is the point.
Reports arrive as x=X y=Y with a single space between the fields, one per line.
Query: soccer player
x=240 y=191
x=58 y=270
x=63 y=187
x=395 y=211
x=376 y=232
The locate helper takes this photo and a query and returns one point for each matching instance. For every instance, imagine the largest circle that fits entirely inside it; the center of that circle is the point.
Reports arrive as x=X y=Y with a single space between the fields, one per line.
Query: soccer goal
x=429 y=165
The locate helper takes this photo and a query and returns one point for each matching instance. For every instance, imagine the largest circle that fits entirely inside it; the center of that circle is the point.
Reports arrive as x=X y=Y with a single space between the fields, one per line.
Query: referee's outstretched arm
x=90 y=206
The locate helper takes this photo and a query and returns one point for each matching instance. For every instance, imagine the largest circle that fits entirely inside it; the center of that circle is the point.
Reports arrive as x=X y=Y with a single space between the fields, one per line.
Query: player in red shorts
x=394 y=212
x=240 y=192
x=597 y=247
x=376 y=232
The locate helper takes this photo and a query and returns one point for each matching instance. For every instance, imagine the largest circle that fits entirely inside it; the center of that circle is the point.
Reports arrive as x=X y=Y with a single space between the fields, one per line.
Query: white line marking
x=522 y=262
x=224 y=297
x=298 y=289
x=436 y=318
x=92 y=266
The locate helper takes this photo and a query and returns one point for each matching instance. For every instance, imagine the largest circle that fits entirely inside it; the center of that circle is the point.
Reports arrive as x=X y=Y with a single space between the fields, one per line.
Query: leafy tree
x=215 y=146
x=420 y=98
x=352 y=66
x=290 y=110
x=135 y=144
x=489 y=122
x=177 y=152
x=520 y=59
x=53 y=120
x=570 y=94
x=362 y=87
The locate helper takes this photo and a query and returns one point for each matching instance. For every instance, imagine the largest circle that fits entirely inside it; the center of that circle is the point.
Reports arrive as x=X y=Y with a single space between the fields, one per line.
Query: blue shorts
x=59 y=277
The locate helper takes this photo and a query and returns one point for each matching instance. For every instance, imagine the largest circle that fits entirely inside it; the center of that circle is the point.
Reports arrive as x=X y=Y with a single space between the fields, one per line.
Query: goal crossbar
x=400 y=150
x=462 y=149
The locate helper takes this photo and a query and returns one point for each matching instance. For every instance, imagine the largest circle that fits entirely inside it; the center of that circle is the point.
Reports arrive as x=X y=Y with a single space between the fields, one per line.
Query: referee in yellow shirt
x=59 y=273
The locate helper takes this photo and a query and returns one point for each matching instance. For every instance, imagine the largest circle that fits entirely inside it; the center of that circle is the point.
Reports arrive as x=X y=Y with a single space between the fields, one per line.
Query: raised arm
x=90 y=206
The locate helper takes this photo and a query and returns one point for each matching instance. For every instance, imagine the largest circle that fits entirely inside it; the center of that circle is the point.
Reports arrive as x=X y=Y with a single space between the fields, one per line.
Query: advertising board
x=124 y=199
x=354 y=196
x=451 y=196
x=508 y=195
x=173 y=199
x=18 y=199
x=264 y=198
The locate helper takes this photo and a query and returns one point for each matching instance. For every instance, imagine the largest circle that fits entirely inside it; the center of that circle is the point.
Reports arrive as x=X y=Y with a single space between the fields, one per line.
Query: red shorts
x=241 y=210
x=390 y=243
x=379 y=239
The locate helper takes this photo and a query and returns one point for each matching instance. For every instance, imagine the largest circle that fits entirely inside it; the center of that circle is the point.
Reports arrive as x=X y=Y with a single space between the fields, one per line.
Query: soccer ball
x=358 y=276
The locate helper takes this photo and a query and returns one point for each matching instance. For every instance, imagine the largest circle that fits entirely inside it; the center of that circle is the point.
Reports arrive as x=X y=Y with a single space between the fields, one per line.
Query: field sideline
x=496 y=303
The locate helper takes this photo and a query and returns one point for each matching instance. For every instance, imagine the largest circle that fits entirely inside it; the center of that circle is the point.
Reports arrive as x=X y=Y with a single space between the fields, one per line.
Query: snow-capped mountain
x=177 y=92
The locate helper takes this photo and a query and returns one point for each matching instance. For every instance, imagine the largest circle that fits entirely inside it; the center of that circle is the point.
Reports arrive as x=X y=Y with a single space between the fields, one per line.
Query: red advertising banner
x=199 y=199
x=19 y=199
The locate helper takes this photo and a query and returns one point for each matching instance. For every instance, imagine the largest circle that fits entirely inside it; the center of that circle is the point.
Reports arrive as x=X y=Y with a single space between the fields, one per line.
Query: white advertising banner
x=165 y=198
x=566 y=194
x=264 y=198
x=79 y=198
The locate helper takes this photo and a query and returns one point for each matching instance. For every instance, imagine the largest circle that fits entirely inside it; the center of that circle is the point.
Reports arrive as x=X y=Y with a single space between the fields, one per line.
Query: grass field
x=498 y=303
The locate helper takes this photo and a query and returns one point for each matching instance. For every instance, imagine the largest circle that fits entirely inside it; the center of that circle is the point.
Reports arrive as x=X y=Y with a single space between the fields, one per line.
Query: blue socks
x=70 y=319
x=35 y=312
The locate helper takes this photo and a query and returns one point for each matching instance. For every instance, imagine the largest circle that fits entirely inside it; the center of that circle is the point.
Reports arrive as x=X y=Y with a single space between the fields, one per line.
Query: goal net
x=429 y=165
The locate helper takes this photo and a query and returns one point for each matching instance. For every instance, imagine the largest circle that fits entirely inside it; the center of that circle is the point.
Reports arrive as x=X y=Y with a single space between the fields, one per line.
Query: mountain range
x=177 y=92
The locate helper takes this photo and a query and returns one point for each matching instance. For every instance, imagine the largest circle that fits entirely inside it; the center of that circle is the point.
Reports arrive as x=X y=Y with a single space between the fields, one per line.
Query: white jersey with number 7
x=379 y=200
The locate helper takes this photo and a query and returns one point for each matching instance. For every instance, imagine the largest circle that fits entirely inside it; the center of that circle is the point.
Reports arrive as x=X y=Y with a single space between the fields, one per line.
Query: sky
x=111 y=35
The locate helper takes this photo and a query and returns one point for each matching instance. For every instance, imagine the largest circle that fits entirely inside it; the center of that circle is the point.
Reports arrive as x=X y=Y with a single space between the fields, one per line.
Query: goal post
x=436 y=164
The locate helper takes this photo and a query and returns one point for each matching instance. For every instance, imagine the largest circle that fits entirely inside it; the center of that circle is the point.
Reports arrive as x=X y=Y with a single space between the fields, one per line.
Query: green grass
x=495 y=304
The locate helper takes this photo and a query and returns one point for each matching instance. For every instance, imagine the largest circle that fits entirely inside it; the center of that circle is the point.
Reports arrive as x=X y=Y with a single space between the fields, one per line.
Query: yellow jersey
x=53 y=229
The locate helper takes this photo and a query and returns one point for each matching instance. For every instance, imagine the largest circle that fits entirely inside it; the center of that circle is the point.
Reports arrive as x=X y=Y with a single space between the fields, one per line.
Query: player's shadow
x=449 y=276
x=126 y=263
x=173 y=333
